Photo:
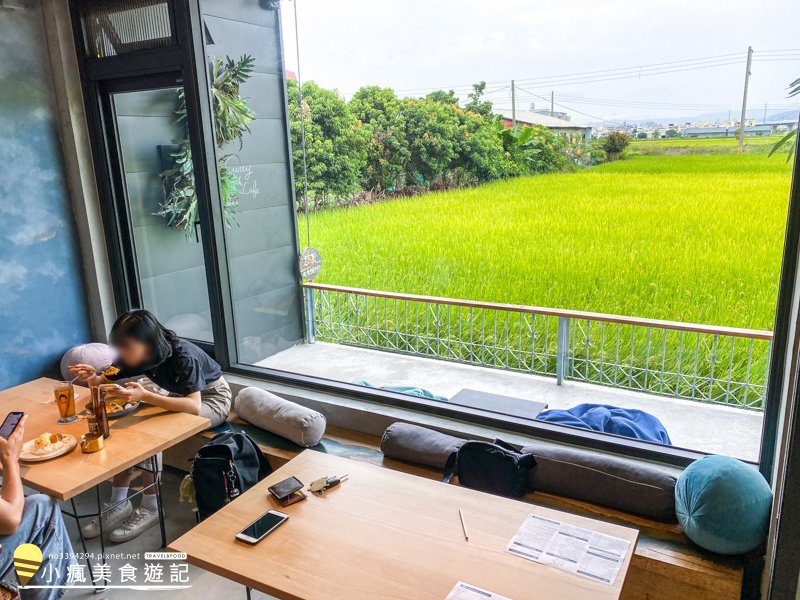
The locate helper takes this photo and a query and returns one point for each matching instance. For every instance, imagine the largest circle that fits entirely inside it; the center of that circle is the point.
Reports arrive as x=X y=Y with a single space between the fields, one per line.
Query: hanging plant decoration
x=232 y=117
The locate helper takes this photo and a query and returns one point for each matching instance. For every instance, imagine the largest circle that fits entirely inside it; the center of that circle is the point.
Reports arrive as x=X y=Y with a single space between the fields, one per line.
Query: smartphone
x=262 y=527
x=10 y=424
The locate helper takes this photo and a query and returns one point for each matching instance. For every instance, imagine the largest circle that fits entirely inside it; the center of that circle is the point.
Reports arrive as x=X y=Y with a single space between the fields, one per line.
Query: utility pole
x=552 y=103
x=744 y=97
x=513 y=105
x=764 y=120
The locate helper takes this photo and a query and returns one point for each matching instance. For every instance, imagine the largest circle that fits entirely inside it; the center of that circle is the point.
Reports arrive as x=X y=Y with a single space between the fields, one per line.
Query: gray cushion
x=288 y=419
x=416 y=444
x=619 y=483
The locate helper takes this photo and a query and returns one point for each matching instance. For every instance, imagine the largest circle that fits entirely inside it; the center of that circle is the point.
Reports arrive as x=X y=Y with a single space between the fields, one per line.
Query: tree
x=335 y=144
x=476 y=103
x=531 y=149
x=431 y=130
x=641 y=135
x=479 y=151
x=380 y=113
x=614 y=144
x=448 y=97
x=672 y=133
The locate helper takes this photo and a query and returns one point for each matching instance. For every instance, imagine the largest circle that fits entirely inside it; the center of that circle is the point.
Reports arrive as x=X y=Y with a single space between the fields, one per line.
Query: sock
x=118 y=494
x=149 y=503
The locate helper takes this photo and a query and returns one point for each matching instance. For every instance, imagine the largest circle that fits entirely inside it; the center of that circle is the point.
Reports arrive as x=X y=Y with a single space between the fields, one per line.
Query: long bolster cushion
x=288 y=419
x=617 y=483
x=420 y=445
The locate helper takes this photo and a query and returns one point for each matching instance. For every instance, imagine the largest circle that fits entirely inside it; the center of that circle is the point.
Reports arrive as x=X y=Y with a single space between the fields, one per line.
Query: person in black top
x=193 y=381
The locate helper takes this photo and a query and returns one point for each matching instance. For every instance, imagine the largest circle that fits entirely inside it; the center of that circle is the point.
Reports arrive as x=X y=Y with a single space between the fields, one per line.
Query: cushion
x=615 y=482
x=97 y=355
x=288 y=419
x=723 y=505
x=416 y=444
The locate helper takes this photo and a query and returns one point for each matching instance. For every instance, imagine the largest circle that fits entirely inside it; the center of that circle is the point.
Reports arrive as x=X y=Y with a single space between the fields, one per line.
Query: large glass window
x=583 y=233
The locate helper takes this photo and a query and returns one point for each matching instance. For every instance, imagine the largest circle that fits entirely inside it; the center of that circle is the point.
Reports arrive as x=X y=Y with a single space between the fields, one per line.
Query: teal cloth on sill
x=411 y=390
x=723 y=505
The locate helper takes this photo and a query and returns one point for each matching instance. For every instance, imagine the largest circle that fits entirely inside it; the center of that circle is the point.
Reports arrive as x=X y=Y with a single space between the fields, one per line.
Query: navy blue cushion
x=723 y=505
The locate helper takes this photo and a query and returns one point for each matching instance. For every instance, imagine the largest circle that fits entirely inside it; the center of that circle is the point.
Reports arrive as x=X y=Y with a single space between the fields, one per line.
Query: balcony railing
x=683 y=360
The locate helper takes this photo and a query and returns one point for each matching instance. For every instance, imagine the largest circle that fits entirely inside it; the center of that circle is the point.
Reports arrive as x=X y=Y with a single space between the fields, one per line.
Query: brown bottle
x=99 y=413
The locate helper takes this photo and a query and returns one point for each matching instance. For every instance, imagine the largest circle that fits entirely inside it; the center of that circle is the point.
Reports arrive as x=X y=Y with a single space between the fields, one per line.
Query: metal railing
x=683 y=360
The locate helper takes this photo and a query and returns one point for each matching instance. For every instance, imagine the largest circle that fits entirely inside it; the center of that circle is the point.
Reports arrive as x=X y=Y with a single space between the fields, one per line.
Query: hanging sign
x=310 y=264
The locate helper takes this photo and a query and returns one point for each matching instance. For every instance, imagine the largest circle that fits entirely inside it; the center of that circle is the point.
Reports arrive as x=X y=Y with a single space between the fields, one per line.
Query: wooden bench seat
x=665 y=566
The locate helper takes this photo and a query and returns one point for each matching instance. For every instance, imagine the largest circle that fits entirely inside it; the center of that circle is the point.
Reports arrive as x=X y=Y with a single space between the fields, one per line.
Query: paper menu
x=574 y=549
x=464 y=591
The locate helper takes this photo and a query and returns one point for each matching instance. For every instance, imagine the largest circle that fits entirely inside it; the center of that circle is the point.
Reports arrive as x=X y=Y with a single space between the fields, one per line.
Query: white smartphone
x=262 y=527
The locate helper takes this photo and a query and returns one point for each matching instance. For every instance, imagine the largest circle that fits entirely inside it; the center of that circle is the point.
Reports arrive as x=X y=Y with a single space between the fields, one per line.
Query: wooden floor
x=665 y=566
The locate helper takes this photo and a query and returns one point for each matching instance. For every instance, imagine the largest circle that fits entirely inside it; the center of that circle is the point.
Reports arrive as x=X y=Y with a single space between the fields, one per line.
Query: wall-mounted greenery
x=232 y=117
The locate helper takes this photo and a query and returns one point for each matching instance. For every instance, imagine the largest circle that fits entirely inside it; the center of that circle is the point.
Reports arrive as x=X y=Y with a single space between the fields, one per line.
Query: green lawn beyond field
x=686 y=238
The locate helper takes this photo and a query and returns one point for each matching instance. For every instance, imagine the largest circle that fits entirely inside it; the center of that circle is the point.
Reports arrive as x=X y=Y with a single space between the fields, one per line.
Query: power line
x=636 y=71
x=676 y=105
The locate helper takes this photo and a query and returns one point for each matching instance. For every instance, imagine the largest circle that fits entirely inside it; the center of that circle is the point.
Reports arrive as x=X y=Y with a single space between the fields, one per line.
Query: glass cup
x=64 y=393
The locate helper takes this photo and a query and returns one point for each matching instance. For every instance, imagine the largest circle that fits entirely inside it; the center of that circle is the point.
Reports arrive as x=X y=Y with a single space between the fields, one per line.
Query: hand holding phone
x=262 y=527
x=11 y=432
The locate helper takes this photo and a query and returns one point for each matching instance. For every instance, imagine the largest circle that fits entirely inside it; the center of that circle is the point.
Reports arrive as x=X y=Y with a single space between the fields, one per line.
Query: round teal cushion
x=723 y=505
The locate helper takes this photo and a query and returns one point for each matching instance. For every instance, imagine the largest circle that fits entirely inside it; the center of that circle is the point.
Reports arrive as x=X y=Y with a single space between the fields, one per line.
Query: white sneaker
x=111 y=518
x=141 y=520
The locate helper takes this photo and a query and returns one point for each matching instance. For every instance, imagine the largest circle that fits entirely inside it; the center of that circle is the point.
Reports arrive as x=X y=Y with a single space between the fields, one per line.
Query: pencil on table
x=463 y=524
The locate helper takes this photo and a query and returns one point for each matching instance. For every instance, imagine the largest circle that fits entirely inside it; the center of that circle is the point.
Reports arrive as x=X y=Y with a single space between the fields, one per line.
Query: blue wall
x=42 y=306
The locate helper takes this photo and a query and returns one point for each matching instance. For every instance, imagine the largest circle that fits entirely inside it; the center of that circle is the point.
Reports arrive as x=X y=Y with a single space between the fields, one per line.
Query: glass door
x=157 y=206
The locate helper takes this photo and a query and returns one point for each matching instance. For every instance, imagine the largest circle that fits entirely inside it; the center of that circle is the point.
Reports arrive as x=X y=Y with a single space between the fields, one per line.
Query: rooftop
x=530 y=117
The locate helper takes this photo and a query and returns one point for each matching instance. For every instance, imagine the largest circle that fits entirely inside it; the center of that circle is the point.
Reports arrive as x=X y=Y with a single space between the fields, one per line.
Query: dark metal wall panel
x=262 y=248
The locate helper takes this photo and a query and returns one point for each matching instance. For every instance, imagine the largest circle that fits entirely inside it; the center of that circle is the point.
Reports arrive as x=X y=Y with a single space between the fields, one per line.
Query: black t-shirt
x=188 y=369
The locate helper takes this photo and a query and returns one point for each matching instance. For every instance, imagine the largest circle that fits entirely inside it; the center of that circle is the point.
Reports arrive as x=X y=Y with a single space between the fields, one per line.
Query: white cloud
x=13 y=275
x=51 y=270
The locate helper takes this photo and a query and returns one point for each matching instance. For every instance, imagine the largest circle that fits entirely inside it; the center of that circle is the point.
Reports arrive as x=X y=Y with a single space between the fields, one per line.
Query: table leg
x=78 y=518
x=100 y=521
x=247 y=592
x=159 y=501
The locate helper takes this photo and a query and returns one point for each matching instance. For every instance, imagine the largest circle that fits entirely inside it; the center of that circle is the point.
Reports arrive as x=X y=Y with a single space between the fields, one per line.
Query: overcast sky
x=414 y=45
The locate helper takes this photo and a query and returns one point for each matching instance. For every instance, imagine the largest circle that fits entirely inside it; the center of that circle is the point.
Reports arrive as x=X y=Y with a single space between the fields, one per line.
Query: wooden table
x=134 y=438
x=388 y=535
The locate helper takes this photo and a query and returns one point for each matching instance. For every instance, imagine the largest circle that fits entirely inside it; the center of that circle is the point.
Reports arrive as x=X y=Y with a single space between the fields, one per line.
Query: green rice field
x=686 y=238
x=694 y=238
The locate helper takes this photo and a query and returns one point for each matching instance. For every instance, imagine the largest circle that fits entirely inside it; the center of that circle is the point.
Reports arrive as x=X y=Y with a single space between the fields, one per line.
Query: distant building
x=529 y=118
x=707 y=132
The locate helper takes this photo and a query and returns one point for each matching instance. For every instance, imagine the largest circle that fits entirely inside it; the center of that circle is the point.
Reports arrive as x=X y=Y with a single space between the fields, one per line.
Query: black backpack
x=494 y=467
x=224 y=468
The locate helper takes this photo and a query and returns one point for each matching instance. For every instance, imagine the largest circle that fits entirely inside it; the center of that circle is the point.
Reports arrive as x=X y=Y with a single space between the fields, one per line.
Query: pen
x=463 y=524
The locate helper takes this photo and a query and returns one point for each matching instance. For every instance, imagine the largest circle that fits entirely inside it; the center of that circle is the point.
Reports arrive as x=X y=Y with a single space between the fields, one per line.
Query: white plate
x=68 y=444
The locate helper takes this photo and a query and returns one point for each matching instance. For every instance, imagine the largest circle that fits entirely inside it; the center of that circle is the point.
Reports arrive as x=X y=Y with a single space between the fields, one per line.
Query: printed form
x=574 y=549
x=464 y=591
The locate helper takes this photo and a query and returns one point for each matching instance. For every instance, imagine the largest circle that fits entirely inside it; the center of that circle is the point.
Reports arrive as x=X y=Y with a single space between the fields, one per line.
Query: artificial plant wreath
x=232 y=117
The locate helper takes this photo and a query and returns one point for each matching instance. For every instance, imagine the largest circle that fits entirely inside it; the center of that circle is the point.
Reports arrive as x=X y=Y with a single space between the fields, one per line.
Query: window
x=543 y=230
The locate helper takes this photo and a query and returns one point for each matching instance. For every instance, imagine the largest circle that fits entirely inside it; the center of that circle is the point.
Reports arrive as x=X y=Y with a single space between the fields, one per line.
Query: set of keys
x=321 y=485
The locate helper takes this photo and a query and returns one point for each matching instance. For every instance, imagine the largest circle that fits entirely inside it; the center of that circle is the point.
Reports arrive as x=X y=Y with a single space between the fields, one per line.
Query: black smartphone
x=262 y=527
x=10 y=424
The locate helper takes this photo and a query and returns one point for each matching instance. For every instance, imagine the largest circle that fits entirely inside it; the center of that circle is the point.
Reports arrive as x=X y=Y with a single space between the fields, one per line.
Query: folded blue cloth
x=627 y=422
x=405 y=389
